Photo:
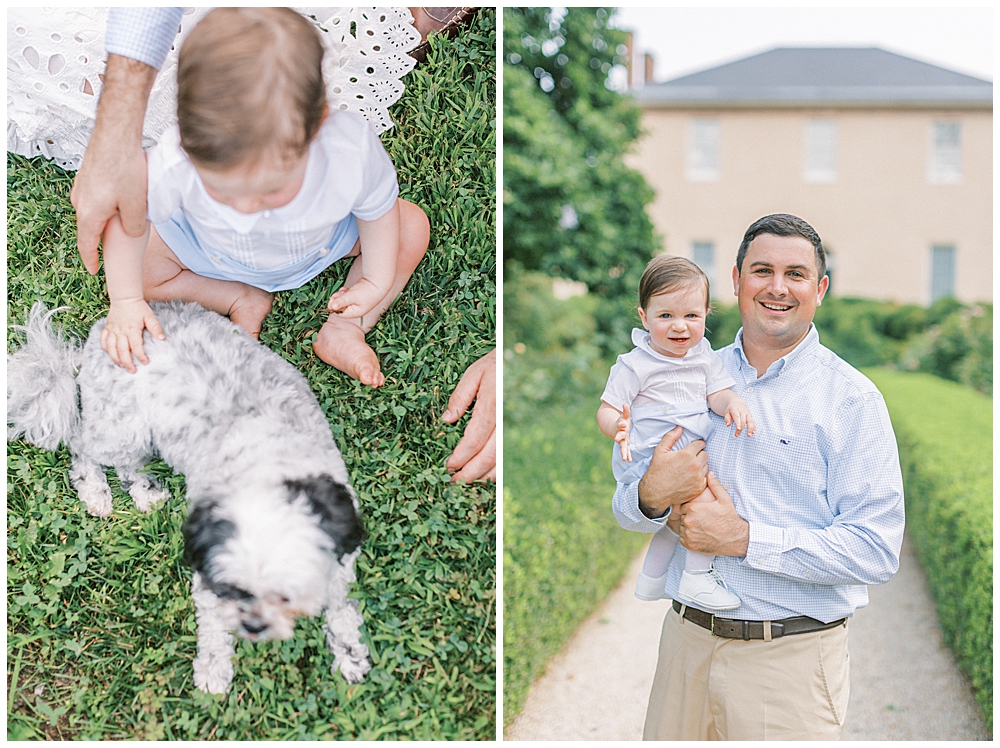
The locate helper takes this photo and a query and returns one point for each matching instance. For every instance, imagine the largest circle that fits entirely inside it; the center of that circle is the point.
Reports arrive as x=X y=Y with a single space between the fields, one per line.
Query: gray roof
x=821 y=77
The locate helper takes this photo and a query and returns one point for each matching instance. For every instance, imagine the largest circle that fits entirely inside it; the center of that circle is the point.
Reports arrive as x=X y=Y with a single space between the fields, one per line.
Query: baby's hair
x=249 y=80
x=666 y=273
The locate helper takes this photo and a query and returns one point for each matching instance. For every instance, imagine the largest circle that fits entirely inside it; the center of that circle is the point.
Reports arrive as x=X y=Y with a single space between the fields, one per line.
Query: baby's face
x=271 y=183
x=676 y=320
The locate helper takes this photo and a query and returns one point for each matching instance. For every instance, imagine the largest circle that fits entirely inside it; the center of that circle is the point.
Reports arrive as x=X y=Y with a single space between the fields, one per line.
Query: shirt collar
x=810 y=341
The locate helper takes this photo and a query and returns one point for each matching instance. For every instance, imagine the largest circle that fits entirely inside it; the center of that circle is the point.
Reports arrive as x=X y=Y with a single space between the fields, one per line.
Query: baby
x=662 y=383
x=259 y=189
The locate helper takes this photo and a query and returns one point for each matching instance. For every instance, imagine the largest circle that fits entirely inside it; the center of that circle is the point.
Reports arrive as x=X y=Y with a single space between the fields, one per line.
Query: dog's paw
x=97 y=498
x=147 y=495
x=212 y=675
x=353 y=665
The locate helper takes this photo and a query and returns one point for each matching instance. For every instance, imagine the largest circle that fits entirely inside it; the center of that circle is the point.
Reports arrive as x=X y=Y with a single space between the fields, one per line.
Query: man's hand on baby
x=624 y=424
x=121 y=337
x=739 y=413
x=357 y=300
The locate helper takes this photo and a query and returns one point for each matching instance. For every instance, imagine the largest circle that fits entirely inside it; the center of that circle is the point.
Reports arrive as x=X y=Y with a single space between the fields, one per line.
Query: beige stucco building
x=889 y=159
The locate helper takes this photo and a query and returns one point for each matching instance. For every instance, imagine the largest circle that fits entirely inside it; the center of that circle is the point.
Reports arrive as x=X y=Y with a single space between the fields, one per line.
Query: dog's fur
x=272 y=530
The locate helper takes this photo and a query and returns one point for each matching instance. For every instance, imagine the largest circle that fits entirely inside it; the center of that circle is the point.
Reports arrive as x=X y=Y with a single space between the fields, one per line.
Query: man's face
x=778 y=290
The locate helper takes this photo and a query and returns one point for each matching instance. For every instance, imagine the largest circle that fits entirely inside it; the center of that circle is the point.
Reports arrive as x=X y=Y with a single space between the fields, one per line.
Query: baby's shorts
x=180 y=237
x=649 y=424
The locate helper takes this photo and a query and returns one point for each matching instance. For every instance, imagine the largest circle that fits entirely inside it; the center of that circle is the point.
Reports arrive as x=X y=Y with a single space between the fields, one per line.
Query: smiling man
x=806 y=513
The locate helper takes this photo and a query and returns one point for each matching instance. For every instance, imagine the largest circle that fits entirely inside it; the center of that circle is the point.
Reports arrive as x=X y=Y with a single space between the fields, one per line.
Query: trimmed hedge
x=945 y=436
x=563 y=550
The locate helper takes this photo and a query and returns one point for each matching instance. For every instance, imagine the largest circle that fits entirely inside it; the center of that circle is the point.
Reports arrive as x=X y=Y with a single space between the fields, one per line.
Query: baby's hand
x=739 y=413
x=624 y=425
x=121 y=337
x=357 y=300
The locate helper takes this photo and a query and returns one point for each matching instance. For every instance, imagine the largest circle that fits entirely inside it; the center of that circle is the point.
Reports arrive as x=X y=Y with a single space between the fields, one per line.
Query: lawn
x=101 y=628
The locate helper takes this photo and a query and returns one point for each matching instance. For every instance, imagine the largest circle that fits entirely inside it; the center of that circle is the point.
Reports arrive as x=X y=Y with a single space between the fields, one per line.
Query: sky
x=685 y=40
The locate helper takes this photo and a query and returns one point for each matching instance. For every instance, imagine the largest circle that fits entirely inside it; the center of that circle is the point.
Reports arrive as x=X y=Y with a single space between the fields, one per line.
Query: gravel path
x=904 y=682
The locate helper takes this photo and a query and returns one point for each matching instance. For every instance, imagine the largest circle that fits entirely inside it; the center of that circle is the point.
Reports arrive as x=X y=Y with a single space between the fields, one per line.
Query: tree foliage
x=572 y=208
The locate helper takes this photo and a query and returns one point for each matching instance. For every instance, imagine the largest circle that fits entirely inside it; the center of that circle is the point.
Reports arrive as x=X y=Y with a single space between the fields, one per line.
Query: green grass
x=563 y=550
x=101 y=628
x=945 y=437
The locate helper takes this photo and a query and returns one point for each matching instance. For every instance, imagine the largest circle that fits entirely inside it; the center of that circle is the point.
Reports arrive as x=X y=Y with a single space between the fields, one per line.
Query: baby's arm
x=129 y=314
x=379 y=249
x=615 y=425
x=733 y=408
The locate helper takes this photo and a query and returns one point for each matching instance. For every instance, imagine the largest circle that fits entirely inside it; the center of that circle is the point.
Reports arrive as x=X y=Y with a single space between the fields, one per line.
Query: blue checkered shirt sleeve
x=861 y=545
x=143 y=34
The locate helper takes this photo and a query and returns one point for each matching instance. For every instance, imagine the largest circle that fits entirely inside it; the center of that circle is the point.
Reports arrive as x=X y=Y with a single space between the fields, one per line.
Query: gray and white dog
x=272 y=531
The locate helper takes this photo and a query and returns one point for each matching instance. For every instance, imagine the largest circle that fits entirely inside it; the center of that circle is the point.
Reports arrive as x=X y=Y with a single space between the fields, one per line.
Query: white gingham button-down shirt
x=819 y=483
x=143 y=34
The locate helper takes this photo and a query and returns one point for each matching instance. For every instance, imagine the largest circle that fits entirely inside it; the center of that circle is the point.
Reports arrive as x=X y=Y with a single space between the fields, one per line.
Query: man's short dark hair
x=783 y=224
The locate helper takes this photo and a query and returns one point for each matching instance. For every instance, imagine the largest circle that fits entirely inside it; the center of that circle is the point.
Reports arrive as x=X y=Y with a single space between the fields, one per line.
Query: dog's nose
x=254 y=628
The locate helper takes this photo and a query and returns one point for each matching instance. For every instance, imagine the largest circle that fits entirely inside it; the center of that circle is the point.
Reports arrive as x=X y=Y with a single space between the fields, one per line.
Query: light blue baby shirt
x=819 y=483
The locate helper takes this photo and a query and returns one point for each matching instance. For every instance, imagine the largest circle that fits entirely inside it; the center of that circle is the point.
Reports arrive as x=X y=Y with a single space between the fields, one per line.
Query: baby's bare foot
x=249 y=310
x=342 y=345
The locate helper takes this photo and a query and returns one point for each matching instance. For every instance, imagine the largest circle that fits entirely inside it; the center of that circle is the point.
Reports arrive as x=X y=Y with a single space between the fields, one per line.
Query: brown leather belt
x=730 y=628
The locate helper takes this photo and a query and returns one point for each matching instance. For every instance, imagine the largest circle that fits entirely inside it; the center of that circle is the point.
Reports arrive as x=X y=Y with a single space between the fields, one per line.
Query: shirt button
x=749 y=389
x=666 y=409
x=216 y=259
x=324 y=252
x=267 y=214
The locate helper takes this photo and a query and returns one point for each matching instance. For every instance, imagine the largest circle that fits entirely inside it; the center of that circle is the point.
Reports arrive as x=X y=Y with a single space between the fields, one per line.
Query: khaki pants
x=708 y=688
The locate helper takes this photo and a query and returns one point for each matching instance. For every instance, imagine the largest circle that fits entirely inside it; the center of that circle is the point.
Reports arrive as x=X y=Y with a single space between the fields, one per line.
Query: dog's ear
x=332 y=503
x=204 y=535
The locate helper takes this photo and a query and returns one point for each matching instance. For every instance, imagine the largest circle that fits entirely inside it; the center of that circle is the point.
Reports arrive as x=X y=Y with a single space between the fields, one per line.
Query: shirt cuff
x=625 y=505
x=764 y=548
x=143 y=34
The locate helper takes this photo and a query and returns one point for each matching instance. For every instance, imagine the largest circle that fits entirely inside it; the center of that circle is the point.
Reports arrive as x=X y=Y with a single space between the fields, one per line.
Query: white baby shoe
x=650 y=588
x=706 y=590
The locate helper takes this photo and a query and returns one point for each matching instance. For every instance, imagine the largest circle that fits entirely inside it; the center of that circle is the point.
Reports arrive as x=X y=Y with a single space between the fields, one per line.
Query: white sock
x=661 y=550
x=697 y=563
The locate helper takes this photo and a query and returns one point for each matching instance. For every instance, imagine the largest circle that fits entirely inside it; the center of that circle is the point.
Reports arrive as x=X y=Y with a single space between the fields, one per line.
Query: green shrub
x=551 y=351
x=540 y=321
x=563 y=550
x=959 y=348
x=722 y=325
x=945 y=441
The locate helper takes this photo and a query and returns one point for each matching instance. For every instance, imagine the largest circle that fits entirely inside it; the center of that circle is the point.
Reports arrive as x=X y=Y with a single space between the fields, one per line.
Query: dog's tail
x=41 y=383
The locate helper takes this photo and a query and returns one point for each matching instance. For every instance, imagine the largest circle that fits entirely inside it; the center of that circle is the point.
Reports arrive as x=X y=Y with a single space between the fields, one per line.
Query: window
x=820 y=151
x=703 y=150
x=945 y=165
x=703 y=255
x=942 y=271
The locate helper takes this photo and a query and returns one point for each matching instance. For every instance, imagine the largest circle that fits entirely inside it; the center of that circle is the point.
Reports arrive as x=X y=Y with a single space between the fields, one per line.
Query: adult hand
x=475 y=456
x=673 y=477
x=713 y=527
x=112 y=178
